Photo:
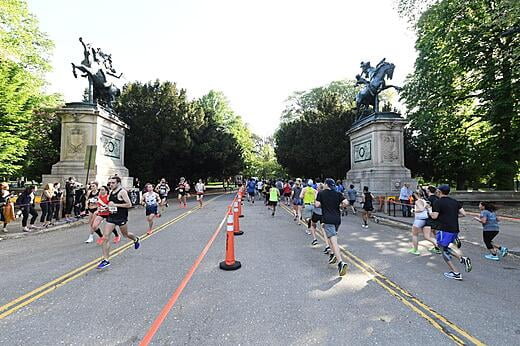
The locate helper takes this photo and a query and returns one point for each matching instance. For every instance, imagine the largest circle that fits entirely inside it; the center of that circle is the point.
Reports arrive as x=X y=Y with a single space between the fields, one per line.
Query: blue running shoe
x=504 y=251
x=103 y=264
x=137 y=244
x=492 y=257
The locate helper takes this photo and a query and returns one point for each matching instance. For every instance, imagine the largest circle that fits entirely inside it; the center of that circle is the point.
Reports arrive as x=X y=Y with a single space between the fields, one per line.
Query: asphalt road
x=285 y=292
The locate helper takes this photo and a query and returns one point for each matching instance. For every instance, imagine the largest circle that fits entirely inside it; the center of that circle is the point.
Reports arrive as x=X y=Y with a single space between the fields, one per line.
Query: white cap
x=309 y=182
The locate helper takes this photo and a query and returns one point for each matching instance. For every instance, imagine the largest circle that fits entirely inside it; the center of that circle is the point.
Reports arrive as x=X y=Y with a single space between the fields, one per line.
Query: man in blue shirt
x=404 y=198
x=251 y=186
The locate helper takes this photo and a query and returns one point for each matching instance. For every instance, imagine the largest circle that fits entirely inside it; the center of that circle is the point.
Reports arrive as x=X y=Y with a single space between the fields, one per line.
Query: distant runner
x=199 y=190
x=163 y=189
x=274 y=196
x=150 y=200
x=182 y=190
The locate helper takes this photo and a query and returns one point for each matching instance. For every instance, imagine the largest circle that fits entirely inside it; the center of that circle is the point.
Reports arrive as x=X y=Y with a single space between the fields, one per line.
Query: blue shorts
x=297 y=201
x=151 y=209
x=330 y=229
x=444 y=238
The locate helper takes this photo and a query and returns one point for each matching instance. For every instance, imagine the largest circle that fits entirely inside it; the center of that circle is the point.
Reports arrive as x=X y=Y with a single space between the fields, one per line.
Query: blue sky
x=256 y=52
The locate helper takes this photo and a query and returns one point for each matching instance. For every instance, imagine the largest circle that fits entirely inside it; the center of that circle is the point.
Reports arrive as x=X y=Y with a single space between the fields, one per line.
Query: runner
x=150 y=200
x=182 y=190
x=421 y=215
x=352 y=194
x=330 y=201
x=448 y=210
x=279 y=186
x=308 y=195
x=265 y=191
x=368 y=206
x=274 y=196
x=431 y=225
x=259 y=187
x=199 y=189
x=488 y=219
x=287 y=193
x=297 y=202
x=251 y=186
x=163 y=189
x=101 y=214
x=92 y=206
x=118 y=205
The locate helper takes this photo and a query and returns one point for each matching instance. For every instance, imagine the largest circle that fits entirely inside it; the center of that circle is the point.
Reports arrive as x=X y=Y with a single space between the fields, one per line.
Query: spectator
x=56 y=199
x=6 y=207
x=70 y=188
x=79 y=202
x=45 y=204
x=26 y=203
x=404 y=197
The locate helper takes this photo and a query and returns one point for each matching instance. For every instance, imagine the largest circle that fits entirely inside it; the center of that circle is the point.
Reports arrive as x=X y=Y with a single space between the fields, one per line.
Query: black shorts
x=163 y=197
x=368 y=208
x=251 y=193
x=352 y=201
x=103 y=216
x=315 y=218
x=433 y=224
x=273 y=203
x=182 y=193
x=92 y=210
x=117 y=222
x=287 y=194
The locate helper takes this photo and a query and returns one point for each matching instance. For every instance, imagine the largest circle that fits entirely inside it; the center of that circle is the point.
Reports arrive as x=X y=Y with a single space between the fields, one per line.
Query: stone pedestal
x=377 y=154
x=85 y=124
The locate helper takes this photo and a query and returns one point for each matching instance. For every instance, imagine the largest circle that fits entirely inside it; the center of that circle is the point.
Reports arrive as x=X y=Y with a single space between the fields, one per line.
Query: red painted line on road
x=166 y=309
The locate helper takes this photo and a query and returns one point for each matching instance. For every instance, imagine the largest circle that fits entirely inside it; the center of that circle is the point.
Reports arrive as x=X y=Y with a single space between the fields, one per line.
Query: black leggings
x=25 y=212
x=56 y=209
x=46 y=211
x=488 y=238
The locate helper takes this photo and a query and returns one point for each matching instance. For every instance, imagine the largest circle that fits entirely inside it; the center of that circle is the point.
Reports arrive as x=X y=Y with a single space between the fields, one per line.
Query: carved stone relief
x=390 y=149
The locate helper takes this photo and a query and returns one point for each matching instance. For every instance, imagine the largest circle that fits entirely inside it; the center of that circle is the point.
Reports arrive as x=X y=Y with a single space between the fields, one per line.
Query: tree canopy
x=463 y=97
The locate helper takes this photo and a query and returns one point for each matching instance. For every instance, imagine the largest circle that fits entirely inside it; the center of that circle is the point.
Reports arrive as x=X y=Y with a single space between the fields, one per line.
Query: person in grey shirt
x=352 y=194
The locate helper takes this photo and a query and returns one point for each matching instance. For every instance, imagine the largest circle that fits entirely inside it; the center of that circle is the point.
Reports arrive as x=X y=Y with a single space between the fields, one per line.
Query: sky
x=256 y=52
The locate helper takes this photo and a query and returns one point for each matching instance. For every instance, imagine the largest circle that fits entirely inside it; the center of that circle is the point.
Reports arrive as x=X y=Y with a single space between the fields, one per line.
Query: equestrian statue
x=373 y=79
x=96 y=66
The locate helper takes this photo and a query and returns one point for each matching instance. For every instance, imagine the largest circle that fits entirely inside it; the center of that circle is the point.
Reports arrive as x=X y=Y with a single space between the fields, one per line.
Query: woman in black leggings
x=46 y=204
x=26 y=203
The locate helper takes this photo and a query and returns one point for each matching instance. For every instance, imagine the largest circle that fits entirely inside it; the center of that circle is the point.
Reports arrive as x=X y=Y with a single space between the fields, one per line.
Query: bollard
x=230 y=263
x=236 y=214
x=240 y=203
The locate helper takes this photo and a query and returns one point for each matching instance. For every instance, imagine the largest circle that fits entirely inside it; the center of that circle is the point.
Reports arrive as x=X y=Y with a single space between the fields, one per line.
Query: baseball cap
x=444 y=188
x=330 y=183
x=309 y=182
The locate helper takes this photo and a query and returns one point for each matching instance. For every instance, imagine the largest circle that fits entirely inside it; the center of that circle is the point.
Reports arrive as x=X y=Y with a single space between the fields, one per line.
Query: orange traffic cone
x=236 y=215
x=230 y=263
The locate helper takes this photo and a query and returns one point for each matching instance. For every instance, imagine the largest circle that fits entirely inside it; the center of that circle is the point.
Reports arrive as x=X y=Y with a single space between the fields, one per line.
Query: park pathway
x=285 y=292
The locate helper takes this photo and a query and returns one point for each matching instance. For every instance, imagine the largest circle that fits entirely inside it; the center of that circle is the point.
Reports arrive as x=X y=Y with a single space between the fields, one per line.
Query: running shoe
x=158 y=215
x=342 y=268
x=307 y=231
x=117 y=239
x=492 y=257
x=332 y=258
x=272 y=214
x=457 y=242
x=90 y=239
x=467 y=263
x=99 y=240
x=149 y=231
x=103 y=264
x=5 y=230
x=504 y=251
x=166 y=205
x=137 y=244
x=414 y=252
x=327 y=250
x=26 y=229
x=435 y=250
x=315 y=242
x=452 y=275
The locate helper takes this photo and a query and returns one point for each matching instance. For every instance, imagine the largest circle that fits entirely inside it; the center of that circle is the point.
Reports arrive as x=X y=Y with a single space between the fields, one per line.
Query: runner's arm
x=345 y=203
x=462 y=212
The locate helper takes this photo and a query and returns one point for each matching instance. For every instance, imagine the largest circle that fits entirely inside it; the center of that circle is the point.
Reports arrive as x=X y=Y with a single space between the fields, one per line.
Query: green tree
x=24 y=59
x=312 y=141
x=463 y=96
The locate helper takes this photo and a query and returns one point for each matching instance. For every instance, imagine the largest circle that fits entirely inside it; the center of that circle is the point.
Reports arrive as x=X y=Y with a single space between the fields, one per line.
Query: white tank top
x=150 y=199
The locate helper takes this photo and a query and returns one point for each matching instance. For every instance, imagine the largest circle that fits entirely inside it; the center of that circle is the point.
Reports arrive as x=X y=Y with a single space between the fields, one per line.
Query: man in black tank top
x=118 y=204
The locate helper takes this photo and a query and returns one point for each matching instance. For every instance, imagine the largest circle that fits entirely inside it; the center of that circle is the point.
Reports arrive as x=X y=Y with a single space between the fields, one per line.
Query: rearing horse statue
x=369 y=95
x=96 y=65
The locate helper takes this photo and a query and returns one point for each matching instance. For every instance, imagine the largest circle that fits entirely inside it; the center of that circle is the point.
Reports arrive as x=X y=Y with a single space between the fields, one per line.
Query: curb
x=403 y=225
x=7 y=236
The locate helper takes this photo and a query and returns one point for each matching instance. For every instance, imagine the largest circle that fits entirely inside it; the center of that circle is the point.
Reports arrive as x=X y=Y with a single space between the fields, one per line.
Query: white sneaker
x=5 y=230
x=90 y=239
x=26 y=229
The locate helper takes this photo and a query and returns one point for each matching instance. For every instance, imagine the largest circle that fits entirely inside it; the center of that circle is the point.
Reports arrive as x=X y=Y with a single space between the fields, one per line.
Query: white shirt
x=199 y=187
x=405 y=193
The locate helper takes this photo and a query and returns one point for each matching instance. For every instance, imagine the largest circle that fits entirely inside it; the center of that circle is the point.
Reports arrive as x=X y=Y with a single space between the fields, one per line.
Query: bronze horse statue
x=368 y=96
x=96 y=65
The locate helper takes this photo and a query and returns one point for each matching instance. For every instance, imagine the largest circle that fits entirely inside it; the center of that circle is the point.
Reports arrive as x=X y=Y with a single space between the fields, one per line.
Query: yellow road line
x=26 y=299
x=433 y=317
